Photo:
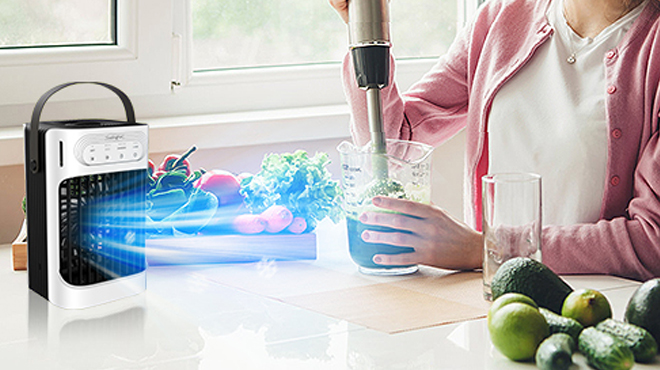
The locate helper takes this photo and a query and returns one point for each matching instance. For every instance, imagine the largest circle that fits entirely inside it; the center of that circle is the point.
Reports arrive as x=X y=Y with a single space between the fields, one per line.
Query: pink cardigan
x=458 y=93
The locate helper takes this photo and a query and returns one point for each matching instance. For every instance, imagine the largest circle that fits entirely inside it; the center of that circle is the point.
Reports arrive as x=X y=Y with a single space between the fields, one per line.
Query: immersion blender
x=369 y=39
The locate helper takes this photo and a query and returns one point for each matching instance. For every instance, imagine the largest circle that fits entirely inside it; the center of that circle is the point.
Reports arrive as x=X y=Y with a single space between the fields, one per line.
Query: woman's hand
x=341 y=6
x=439 y=239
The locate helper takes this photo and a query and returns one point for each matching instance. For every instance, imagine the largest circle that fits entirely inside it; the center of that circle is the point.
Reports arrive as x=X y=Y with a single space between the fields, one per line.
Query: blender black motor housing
x=369 y=39
x=86 y=188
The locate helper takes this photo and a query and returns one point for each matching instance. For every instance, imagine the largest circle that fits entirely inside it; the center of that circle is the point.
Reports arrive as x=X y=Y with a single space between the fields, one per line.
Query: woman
x=564 y=88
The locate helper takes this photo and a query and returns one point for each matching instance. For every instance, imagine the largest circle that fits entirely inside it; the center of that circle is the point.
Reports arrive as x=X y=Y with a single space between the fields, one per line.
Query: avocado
x=532 y=278
x=644 y=308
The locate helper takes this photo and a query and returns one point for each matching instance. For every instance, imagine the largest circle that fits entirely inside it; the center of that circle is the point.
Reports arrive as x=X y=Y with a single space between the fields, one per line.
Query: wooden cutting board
x=19 y=249
x=231 y=249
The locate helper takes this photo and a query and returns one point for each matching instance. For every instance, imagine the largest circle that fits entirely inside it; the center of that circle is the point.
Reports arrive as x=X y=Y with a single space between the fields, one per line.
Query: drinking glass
x=511 y=220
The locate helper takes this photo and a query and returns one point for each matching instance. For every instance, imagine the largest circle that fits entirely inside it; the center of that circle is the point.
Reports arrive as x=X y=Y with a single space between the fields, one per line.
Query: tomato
x=223 y=184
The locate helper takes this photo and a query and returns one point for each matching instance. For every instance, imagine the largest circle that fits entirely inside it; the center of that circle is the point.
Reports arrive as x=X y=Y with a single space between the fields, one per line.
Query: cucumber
x=605 y=351
x=555 y=352
x=638 y=339
x=561 y=324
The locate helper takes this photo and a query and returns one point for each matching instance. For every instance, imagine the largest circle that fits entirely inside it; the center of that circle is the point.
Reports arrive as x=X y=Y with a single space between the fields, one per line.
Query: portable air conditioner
x=86 y=187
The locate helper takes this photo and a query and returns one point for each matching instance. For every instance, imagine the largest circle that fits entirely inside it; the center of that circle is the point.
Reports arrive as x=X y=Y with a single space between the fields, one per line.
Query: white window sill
x=211 y=131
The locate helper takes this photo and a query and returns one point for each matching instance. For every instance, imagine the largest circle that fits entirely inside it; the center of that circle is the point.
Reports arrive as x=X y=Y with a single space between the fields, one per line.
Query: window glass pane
x=422 y=28
x=250 y=33
x=26 y=23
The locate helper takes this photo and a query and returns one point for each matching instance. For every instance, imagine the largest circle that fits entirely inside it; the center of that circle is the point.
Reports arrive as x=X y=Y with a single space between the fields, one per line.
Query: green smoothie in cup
x=363 y=252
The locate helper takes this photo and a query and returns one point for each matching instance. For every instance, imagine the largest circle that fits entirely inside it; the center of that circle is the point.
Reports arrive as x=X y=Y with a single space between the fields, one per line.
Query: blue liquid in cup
x=362 y=252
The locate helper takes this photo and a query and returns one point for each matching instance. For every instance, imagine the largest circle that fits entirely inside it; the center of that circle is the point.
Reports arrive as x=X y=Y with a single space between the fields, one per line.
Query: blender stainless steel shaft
x=369 y=38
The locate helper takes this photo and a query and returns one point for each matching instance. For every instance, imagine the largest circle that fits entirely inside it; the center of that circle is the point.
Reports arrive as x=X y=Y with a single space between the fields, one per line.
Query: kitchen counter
x=186 y=320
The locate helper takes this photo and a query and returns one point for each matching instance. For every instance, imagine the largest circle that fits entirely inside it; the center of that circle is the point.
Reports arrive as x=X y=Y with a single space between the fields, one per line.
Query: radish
x=277 y=217
x=249 y=224
x=298 y=225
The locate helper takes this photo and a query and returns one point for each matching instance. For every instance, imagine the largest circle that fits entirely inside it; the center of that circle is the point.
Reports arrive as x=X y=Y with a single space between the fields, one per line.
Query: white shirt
x=549 y=118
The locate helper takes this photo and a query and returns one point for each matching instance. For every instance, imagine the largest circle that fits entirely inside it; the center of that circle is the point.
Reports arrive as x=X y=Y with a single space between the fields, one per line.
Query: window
x=240 y=34
x=193 y=57
x=292 y=59
x=57 y=23
x=44 y=43
x=235 y=34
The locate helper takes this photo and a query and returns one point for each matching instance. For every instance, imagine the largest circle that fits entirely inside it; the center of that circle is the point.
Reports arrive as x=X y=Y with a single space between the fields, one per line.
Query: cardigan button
x=611 y=89
x=610 y=54
x=616 y=133
x=615 y=180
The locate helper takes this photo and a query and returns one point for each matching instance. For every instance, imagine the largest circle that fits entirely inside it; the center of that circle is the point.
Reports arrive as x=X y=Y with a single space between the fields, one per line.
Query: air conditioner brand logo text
x=114 y=137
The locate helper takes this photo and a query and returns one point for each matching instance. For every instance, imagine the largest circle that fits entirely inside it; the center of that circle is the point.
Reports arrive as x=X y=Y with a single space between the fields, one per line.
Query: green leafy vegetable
x=297 y=182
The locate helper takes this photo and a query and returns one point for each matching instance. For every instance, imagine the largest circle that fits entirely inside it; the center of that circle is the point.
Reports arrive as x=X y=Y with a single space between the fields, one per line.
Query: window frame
x=28 y=72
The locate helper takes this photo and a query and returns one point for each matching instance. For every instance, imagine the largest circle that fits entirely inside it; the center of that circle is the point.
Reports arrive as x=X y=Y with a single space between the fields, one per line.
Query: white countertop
x=187 y=321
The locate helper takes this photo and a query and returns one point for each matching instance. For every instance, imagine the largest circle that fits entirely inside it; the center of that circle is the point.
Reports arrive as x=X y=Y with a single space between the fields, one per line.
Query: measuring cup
x=409 y=166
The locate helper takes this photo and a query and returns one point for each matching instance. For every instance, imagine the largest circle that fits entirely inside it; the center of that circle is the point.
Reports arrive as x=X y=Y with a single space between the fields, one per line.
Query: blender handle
x=36 y=115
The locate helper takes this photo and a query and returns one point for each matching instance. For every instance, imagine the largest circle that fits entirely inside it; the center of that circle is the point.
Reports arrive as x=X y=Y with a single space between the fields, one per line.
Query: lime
x=517 y=329
x=587 y=306
x=507 y=298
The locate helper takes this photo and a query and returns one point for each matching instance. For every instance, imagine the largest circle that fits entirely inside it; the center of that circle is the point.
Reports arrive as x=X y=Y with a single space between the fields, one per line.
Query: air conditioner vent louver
x=101 y=219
